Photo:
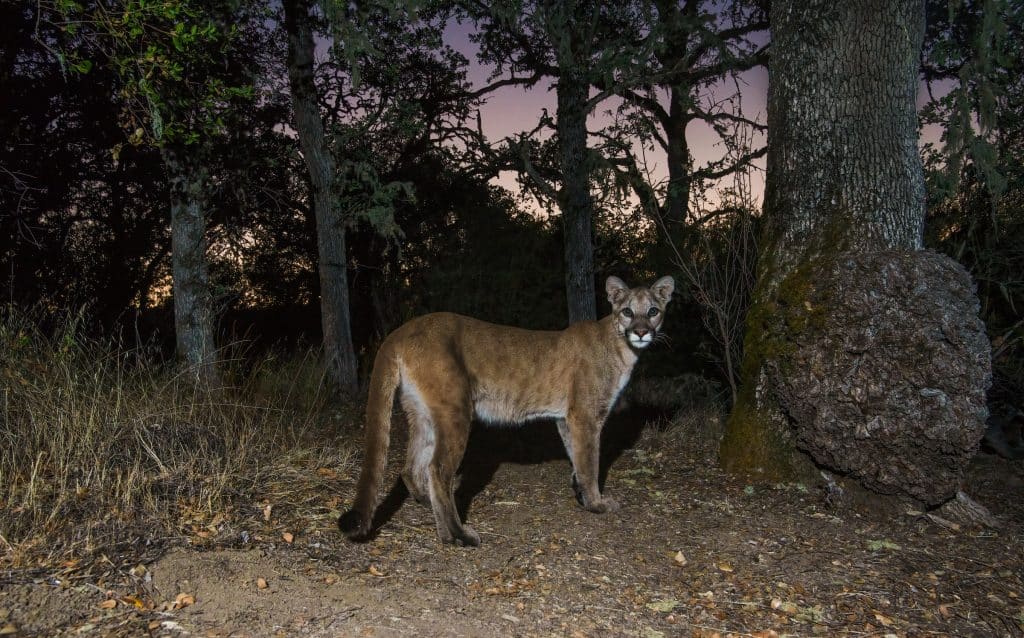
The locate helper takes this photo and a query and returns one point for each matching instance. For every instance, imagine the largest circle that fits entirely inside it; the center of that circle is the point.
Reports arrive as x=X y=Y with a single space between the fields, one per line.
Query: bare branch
x=740 y=162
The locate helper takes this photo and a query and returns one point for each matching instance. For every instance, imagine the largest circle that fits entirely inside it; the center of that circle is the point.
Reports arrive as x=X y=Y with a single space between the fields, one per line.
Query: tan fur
x=451 y=369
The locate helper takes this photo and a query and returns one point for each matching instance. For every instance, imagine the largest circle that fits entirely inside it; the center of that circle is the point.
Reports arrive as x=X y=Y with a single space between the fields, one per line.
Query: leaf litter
x=691 y=553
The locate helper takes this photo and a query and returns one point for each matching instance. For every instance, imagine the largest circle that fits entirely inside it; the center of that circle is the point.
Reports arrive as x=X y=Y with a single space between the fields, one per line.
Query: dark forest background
x=85 y=190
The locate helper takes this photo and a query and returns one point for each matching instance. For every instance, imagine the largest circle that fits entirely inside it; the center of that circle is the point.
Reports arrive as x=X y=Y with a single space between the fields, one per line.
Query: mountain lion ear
x=616 y=289
x=663 y=288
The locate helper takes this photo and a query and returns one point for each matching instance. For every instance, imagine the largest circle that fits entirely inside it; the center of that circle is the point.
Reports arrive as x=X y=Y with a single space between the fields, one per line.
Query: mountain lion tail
x=357 y=522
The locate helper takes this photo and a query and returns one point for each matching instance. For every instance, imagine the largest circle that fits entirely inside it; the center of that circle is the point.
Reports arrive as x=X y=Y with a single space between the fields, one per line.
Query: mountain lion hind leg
x=420 y=451
x=452 y=433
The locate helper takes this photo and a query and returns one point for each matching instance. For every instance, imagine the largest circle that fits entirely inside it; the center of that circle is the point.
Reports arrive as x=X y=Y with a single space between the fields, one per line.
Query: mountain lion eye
x=627 y=313
x=653 y=312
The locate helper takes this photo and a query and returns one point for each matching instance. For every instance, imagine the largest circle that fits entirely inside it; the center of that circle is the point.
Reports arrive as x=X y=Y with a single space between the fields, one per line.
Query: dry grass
x=97 y=439
x=694 y=413
x=695 y=429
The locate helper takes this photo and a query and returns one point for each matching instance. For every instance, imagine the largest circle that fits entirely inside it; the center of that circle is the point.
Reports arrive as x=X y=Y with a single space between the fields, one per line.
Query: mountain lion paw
x=469 y=537
x=606 y=504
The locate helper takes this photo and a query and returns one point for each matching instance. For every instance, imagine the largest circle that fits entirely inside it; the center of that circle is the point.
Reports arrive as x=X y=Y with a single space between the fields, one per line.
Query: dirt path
x=692 y=552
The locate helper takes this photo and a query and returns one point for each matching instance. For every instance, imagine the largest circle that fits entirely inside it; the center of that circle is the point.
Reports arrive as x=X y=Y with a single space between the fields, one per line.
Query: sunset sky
x=511 y=110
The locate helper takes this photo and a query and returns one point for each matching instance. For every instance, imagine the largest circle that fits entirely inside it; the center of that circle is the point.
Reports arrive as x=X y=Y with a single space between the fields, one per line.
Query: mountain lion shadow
x=532 y=443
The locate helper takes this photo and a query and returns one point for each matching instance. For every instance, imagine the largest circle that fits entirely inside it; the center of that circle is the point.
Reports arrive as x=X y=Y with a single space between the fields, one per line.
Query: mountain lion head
x=639 y=312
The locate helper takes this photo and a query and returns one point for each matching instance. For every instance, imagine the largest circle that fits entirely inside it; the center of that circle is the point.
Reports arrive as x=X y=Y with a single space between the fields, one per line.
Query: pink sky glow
x=512 y=110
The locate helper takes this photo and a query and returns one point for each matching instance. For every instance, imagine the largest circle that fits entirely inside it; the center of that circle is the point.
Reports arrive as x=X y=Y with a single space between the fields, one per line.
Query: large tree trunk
x=330 y=230
x=575 y=199
x=193 y=301
x=861 y=349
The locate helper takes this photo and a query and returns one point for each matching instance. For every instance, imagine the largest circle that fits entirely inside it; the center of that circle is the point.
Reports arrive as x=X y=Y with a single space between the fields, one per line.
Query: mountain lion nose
x=641 y=332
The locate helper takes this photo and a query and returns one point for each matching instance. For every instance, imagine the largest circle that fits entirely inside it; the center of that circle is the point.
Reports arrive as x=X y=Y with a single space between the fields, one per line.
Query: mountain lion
x=452 y=368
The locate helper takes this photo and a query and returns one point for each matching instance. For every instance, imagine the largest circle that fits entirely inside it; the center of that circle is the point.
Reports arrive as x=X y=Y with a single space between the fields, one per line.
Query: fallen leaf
x=138 y=571
x=883 y=544
x=288 y=537
x=944 y=610
x=266 y=511
x=680 y=559
x=330 y=579
x=375 y=571
x=885 y=620
x=109 y=603
x=813 y=614
x=784 y=606
x=184 y=600
x=170 y=625
x=640 y=470
x=8 y=629
x=650 y=632
x=663 y=605
x=261 y=583
x=725 y=567
x=133 y=601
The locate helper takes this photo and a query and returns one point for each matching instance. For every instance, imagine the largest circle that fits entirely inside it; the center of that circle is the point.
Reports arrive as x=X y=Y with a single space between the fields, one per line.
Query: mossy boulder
x=885 y=379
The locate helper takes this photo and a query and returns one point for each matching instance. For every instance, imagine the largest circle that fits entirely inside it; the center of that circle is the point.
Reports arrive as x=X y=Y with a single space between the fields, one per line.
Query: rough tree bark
x=863 y=353
x=193 y=301
x=575 y=199
x=330 y=230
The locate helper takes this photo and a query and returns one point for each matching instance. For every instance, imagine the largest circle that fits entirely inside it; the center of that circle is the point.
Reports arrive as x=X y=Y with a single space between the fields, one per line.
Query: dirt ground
x=692 y=552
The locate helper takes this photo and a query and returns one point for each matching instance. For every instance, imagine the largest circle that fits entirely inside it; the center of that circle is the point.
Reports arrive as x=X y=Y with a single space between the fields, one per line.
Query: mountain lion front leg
x=563 y=431
x=582 y=436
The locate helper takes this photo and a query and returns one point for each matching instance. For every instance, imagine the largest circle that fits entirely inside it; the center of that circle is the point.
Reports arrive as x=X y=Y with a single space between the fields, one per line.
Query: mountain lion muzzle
x=451 y=369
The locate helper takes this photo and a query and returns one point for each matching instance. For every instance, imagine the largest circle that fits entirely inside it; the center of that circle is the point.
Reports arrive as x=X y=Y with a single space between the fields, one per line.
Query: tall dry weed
x=96 y=438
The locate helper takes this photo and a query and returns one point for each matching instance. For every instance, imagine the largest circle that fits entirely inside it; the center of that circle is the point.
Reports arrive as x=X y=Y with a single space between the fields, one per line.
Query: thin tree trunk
x=330 y=229
x=193 y=301
x=677 y=199
x=843 y=175
x=575 y=199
